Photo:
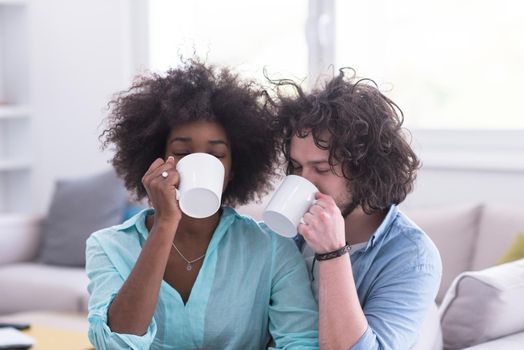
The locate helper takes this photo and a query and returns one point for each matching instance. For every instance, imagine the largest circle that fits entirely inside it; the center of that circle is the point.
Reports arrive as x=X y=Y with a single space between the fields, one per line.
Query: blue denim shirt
x=397 y=275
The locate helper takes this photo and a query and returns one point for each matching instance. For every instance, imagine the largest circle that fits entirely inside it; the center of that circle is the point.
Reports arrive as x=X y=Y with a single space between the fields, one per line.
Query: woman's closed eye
x=180 y=154
x=322 y=170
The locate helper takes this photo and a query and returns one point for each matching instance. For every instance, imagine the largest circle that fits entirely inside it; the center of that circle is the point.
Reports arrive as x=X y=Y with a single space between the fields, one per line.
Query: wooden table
x=54 y=330
x=48 y=338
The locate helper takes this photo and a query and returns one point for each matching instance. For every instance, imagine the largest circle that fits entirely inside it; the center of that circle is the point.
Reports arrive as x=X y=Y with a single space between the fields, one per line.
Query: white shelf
x=14 y=112
x=15 y=109
x=14 y=164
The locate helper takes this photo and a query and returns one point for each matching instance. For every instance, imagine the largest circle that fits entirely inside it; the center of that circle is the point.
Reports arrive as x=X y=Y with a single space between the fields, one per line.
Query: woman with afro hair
x=246 y=288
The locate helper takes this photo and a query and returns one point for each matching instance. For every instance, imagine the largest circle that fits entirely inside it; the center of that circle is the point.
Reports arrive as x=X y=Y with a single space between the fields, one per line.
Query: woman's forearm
x=133 y=308
x=341 y=320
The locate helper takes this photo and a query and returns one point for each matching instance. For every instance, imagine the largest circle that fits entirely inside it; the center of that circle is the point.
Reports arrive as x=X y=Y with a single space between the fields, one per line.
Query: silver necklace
x=189 y=267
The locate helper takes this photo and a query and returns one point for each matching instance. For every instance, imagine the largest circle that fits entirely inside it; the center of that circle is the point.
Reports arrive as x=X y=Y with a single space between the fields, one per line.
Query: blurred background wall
x=455 y=69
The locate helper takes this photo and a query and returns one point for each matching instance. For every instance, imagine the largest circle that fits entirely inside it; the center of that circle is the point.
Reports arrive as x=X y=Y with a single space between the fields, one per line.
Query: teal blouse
x=253 y=285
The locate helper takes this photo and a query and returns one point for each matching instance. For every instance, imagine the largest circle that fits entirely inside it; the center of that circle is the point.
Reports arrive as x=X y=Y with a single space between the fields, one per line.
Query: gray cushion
x=483 y=305
x=78 y=208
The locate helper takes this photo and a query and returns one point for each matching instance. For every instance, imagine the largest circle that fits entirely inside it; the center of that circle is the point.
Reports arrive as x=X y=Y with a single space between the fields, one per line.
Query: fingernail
x=171 y=157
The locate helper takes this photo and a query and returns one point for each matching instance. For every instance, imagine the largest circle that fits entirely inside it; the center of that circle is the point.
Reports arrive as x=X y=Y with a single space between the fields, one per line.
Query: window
x=246 y=35
x=454 y=67
x=449 y=64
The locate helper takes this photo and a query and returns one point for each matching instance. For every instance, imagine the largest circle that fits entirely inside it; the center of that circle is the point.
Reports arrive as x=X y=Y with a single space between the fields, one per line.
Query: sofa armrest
x=19 y=237
x=509 y=342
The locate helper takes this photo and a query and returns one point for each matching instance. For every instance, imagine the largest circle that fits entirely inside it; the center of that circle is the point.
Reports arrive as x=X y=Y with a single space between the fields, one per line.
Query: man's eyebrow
x=312 y=162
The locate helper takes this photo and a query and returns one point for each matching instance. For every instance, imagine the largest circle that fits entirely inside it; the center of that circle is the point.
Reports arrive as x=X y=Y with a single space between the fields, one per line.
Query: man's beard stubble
x=347 y=208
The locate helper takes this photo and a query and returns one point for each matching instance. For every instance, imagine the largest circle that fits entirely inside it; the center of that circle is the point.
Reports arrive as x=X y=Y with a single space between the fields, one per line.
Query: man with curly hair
x=164 y=280
x=375 y=273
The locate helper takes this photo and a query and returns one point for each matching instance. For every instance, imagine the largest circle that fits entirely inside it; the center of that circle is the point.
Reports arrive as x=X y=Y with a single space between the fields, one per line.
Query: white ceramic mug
x=201 y=180
x=291 y=201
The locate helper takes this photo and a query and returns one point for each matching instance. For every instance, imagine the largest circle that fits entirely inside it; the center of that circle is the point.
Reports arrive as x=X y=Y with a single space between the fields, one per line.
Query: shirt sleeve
x=293 y=315
x=397 y=306
x=104 y=284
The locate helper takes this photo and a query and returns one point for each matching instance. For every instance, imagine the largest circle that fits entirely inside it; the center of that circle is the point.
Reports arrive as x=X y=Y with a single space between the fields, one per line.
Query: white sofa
x=28 y=285
x=469 y=237
x=42 y=259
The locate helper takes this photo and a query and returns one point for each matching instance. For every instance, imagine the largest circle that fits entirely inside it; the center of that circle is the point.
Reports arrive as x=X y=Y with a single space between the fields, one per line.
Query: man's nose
x=308 y=176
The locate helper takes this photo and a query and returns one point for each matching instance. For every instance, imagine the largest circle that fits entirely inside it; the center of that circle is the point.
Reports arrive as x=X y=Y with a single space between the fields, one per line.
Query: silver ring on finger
x=165 y=174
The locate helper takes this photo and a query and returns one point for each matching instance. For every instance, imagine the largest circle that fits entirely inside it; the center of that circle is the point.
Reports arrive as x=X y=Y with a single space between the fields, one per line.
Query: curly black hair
x=141 y=118
x=366 y=135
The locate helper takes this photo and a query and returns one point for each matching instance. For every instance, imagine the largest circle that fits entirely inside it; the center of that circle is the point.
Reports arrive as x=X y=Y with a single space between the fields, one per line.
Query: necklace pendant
x=189 y=267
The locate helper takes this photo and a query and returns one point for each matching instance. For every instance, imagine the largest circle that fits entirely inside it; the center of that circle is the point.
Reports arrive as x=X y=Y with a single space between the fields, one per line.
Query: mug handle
x=302 y=218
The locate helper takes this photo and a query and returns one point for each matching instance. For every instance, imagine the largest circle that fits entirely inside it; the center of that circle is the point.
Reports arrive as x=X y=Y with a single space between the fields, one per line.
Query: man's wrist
x=333 y=254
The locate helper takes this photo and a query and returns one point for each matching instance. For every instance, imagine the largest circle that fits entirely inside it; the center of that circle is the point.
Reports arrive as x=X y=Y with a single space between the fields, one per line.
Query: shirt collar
x=299 y=241
x=383 y=228
x=139 y=221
